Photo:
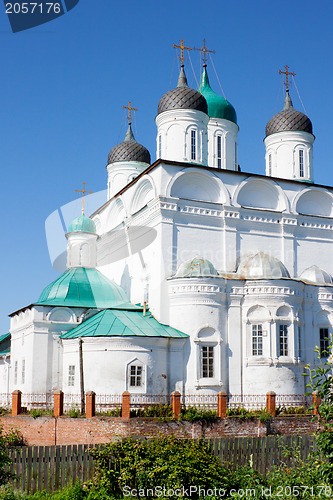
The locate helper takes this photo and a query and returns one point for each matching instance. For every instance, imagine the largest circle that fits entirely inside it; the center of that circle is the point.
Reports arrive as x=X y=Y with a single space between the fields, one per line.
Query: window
x=207 y=361
x=256 y=340
x=23 y=371
x=15 y=372
x=324 y=342
x=301 y=162
x=219 y=151
x=299 y=343
x=236 y=160
x=160 y=146
x=71 y=375
x=283 y=340
x=193 y=145
x=135 y=376
x=269 y=164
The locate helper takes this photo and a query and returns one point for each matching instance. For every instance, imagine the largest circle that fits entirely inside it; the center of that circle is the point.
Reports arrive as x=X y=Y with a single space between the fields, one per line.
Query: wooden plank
x=52 y=454
x=24 y=468
x=91 y=465
x=79 y=462
x=74 y=463
x=69 y=464
x=17 y=459
x=63 y=466
x=85 y=463
x=57 y=468
x=29 y=469
x=41 y=467
x=34 y=483
x=46 y=482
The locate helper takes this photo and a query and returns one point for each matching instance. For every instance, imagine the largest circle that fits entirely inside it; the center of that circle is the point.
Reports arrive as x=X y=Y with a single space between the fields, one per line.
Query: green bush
x=166 y=462
x=194 y=414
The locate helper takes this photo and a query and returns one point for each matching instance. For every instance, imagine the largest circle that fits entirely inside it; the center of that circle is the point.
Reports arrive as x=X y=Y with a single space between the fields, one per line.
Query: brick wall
x=46 y=431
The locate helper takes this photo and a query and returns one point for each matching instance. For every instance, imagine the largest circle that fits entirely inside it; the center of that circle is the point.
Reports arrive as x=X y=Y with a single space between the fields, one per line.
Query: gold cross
x=182 y=48
x=204 y=51
x=129 y=107
x=287 y=73
x=83 y=193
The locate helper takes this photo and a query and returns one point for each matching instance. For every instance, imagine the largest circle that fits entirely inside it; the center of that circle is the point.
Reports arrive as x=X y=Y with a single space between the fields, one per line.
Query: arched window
x=136 y=376
x=301 y=162
x=159 y=146
x=193 y=145
x=269 y=164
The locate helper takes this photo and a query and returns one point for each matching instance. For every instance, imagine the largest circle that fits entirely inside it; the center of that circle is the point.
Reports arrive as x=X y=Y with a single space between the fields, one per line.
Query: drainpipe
x=81 y=376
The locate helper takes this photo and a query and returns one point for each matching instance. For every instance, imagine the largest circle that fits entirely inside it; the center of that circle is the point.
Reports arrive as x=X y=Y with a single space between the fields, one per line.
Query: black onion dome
x=129 y=150
x=288 y=119
x=182 y=97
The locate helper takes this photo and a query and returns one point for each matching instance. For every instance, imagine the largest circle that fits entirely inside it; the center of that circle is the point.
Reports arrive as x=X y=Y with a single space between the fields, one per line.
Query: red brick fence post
x=222 y=404
x=90 y=404
x=58 y=404
x=16 y=402
x=316 y=400
x=126 y=405
x=270 y=403
x=175 y=404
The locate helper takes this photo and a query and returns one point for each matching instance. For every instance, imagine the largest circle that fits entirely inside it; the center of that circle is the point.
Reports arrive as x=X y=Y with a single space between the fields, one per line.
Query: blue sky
x=64 y=83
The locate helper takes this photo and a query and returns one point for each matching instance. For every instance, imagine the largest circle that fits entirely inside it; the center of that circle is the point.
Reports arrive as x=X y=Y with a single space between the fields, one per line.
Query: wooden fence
x=50 y=468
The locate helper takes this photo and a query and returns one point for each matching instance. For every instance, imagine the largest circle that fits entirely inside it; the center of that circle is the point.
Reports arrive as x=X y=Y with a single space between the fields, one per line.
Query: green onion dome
x=82 y=224
x=218 y=106
x=84 y=287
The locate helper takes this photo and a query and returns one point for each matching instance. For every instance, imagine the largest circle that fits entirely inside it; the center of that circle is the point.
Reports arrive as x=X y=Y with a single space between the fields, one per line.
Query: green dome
x=82 y=224
x=84 y=287
x=218 y=106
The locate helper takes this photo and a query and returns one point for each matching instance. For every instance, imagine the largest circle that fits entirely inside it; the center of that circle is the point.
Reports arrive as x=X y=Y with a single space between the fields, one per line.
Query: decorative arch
x=197 y=185
x=84 y=253
x=258 y=313
x=261 y=193
x=323 y=318
x=206 y=333
x=144 y=192
x=284 y=312
x=313 y=201
x=62 y=315
x=117 y=213
x=98 y=224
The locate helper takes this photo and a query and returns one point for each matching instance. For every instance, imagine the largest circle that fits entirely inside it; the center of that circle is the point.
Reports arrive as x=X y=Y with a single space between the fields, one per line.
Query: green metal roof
x=84 y=287
x=82 y=224
x=4 y=337
x=116 y=323
x=3 y=353
x=218 y=106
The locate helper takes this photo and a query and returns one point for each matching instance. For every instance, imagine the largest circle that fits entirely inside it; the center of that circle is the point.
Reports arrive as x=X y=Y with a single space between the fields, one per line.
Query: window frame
x=71 y=375
x=135 y=375
x=257 y=334
x=325 y=341
x=301 y=163
x=193 y=144
x=207 y=358
x=219 y=150
x=283 y=345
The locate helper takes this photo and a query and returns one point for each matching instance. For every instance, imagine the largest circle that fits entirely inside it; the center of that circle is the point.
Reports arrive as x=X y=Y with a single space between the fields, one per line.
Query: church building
x=193 y=276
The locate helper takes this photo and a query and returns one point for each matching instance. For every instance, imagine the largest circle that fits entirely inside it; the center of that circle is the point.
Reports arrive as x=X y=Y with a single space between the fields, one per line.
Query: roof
x=289 y=119
x=84 y=287
x=129 y=150
x=182 y=97
x=262 y=265
x=196 y=267
x=4 y=353
x=4 y=337
x=116 y=323
x=218 y=106
x=316 y=275
x=82 y=224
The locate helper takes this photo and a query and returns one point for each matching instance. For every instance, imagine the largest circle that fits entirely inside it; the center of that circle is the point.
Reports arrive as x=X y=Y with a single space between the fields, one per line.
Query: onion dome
x=316 y=275
x=262 y=265
x=196 y=267
x=82 y=224
x=129 y=150
x=288 y=119
x=84 y=287
x=218 y=106
x=182 y=97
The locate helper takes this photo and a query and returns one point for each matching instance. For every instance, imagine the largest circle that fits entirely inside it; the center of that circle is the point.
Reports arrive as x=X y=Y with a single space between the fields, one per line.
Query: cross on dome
x=204 y=51
x=182 y=48
x=83 y=193
x=287 y=73
x=129 y=107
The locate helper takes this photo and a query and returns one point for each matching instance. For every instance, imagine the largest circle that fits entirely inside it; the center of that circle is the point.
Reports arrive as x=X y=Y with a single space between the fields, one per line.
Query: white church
x=193 y=276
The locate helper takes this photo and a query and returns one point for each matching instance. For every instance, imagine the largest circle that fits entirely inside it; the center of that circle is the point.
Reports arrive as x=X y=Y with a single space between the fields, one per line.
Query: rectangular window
x=270 y=165
x=299 y=343
x=236 y=160
x=324 y=342
x=15 y=372
x=193 y=145
x=71 y=375
x=219 y=151
x=207 y=361
x=283 y=340
x=301 y=163
x=256 y=340
x=135 y=376
x=23 y=371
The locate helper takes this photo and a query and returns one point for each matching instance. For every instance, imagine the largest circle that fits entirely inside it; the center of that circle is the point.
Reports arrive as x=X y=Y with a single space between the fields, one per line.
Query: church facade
x=193 y=276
